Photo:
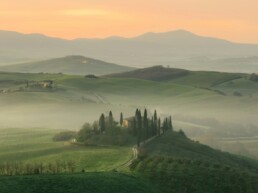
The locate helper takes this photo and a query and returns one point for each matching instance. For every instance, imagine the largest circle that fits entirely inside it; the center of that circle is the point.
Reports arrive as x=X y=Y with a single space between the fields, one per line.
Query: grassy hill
x=177 y=145
x=180 y=76
x=68 y=65
x=178 y=164
x=155 y=73
x=207 y=79
x=97 y=182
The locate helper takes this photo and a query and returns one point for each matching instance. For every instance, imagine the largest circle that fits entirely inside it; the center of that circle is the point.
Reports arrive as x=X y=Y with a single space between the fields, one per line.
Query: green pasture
x=35 y=145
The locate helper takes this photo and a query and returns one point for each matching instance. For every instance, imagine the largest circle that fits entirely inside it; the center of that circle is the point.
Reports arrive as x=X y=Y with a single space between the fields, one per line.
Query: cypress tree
x=166 y=124
x=155 y=115
x=139 y=128
x=170 y=123
x=134 y=127
x=102 y=125
x=152 y=127
x=136 y=122
x=121 y=119
x=110 y=119
x=136 y=112
x=155 y=123
x=145 y=124
x=159 y=125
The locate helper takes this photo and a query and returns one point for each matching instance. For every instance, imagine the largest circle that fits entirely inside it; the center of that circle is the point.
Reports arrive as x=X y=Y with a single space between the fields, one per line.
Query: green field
x=36 y=146
x=97 y=182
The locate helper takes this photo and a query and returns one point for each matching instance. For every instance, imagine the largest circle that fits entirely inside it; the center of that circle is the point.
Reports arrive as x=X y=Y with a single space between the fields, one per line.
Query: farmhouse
x=41 y=84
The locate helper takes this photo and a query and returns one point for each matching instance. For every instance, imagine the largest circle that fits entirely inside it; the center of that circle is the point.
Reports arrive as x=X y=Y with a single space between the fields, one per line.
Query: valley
x=214 y=108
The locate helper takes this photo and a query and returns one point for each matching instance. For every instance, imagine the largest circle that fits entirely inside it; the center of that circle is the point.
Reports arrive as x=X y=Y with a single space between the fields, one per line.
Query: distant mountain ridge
x=179 y=49
x=73 y=64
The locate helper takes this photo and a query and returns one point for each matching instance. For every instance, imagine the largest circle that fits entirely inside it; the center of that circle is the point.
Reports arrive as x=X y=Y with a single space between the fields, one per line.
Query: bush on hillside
x=85 y=133
x=64 y=136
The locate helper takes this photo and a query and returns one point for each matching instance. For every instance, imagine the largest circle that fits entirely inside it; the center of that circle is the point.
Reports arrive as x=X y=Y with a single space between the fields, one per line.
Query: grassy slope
x=36 y=146
x=102 y=182
x=180 y=76
x=178 y=164
x=206 y=79
x=155 y=73
x=175 y=145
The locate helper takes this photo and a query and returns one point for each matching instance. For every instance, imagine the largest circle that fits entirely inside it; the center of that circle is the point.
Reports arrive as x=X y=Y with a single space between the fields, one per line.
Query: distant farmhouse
x=40 y=84
x=128 y=122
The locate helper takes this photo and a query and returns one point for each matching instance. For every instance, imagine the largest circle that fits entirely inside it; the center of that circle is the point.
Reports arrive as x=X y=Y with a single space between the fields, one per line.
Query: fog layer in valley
x=224 y=122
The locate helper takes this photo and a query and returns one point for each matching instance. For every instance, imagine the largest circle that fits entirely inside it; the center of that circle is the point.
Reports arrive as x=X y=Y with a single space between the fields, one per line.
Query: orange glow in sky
x=235 y=20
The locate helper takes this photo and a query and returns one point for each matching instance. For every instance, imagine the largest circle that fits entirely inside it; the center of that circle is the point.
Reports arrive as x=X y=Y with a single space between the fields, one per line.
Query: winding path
x=134 y=154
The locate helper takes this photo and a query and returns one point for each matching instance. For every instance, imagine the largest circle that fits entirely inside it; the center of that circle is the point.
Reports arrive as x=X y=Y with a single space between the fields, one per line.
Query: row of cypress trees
x=105 y=123
x=142 y=127
x=146 y=128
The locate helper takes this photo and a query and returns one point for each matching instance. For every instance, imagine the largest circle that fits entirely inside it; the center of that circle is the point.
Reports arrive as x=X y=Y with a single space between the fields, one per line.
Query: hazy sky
x=235 y=20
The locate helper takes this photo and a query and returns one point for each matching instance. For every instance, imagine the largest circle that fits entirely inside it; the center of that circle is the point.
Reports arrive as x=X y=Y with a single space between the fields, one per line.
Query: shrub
x=182 y=133
x=85 y=133
x=64 y=136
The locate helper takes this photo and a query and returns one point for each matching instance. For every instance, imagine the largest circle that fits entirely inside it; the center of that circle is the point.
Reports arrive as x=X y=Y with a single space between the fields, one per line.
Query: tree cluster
x=147 y=127
x=142 y=127
x=105 y=131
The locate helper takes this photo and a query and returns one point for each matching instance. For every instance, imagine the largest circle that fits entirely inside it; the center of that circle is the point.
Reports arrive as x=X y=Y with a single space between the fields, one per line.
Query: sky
x=235 y=20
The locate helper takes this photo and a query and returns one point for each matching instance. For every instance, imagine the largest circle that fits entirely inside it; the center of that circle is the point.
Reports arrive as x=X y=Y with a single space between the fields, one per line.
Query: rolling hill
x=155 y=73
x=79 y=65
x=174 y=163
x=178 y=49
x=180 y=76
x=179 y=164
x=209 y=106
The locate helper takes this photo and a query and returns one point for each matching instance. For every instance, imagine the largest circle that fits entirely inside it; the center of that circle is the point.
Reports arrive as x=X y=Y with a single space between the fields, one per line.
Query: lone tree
x=121 y=119
x=102 y=125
